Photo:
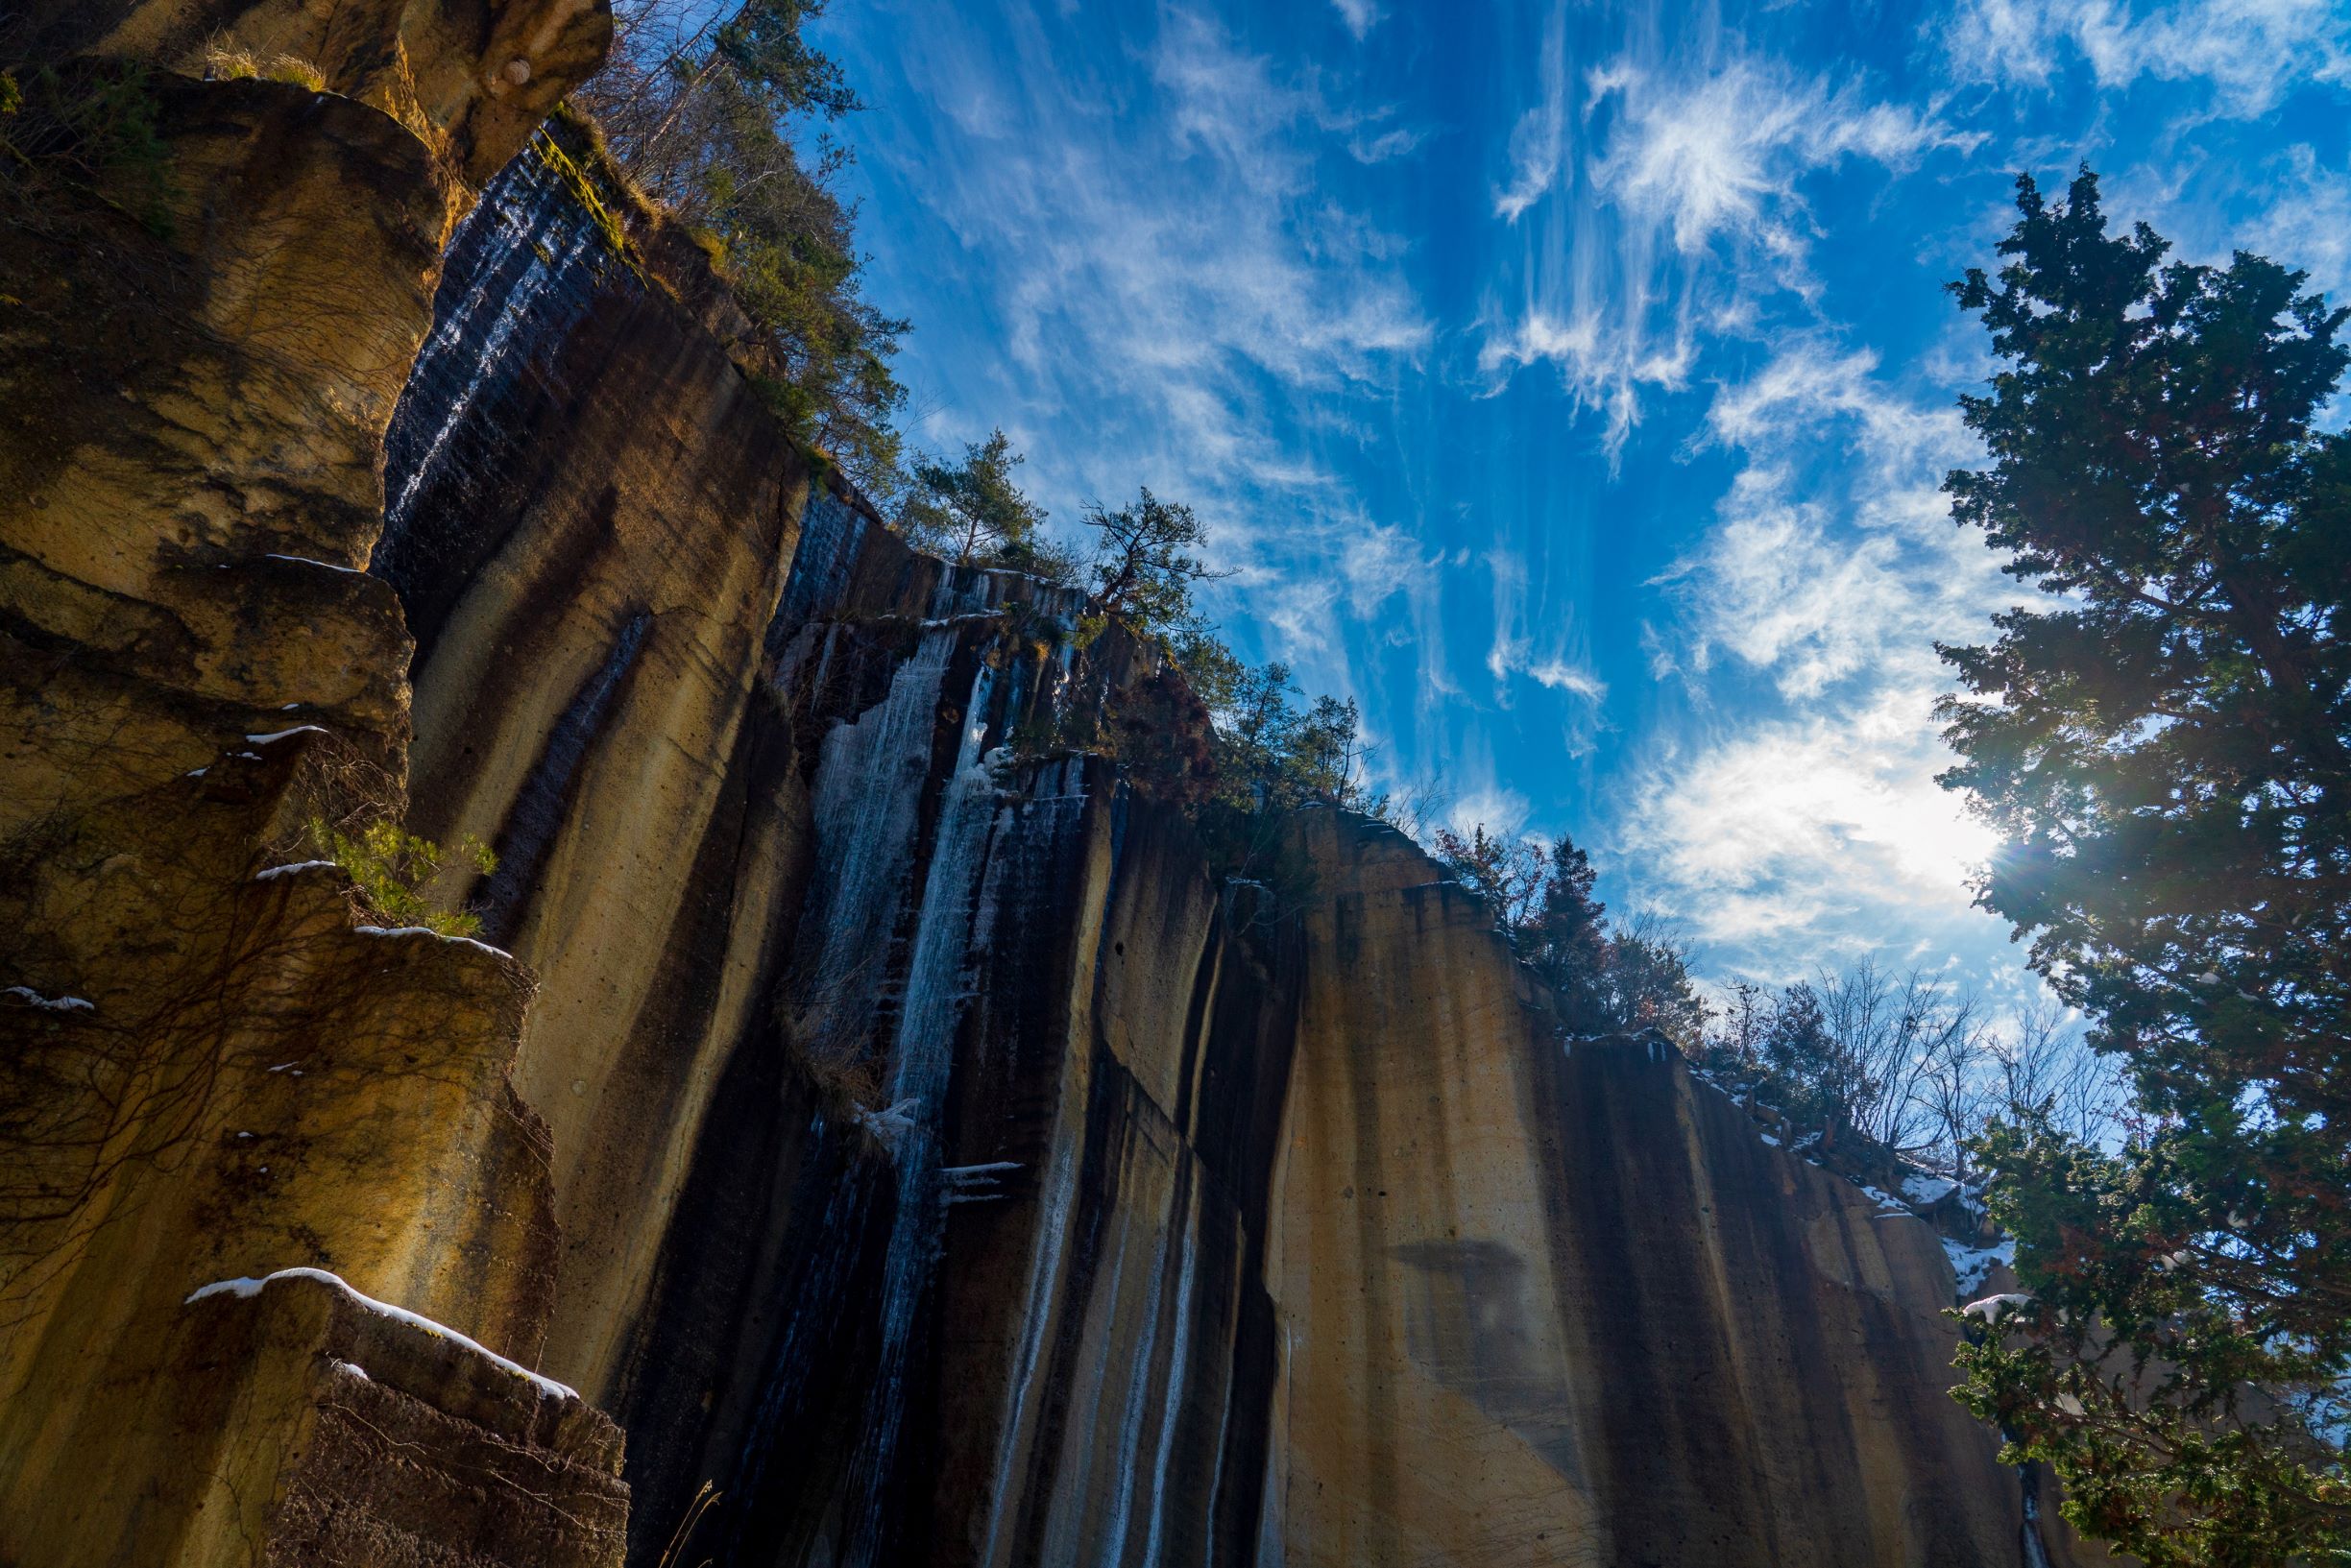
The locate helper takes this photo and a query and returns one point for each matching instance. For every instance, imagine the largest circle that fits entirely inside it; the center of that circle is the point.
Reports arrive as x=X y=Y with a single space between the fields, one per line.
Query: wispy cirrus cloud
x=2247 y=52
x=1171 y=279
x=1719 y=153
x=1360 y=17
x=1831 y=572
x=1683 y=185
x=1812 y=839
x=1158 y=283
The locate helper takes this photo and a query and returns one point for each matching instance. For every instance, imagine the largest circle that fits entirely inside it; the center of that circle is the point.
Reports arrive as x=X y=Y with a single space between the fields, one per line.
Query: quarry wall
x=860 y=1092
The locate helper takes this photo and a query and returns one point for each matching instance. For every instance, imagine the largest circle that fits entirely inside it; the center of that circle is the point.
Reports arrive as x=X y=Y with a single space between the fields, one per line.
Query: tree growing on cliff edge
x=974 y=510
x=1605 y=979
x=1144 y=565
x=719 y=112
x=2163 y=741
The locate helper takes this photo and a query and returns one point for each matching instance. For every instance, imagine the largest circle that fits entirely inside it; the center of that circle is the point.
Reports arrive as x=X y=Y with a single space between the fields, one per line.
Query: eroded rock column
x=206 y=1071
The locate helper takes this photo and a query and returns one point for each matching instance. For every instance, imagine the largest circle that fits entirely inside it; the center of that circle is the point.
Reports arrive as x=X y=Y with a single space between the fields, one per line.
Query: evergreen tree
x=1144 y=567
x=975 y=512
x=1801 y=1071
x=1567 y=941
x=2161 y=740
x=717 y=112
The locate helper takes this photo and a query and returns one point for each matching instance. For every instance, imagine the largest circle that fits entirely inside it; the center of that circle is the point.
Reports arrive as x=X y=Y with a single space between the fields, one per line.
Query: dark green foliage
x=699 y=104
x=1268 y=754
x=1598 y=978
x=2163 y=748
x=760 y=45
x=1166 y=741
x=88 y=128
x=974 y=513
x=1779 y=1049
x=1143 y=567
x=1633 y=976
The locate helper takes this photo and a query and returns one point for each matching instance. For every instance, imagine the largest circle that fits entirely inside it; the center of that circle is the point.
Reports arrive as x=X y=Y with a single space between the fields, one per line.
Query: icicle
x=527 y=216
x=1171 y=1399
x=869 y=783
x=974 y=1183
x=920 y=1065
x=831 y=533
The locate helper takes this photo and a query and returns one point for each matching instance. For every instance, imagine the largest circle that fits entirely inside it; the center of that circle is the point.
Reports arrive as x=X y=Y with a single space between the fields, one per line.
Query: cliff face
x=1557 y=1301
x=588 y=515
x=893 y=1120
x=962 y=1175
x=206 y=1069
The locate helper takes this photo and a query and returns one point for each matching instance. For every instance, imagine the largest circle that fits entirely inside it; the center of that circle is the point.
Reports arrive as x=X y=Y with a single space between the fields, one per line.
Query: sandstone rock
x=445 y=70
x=197 y=377
x=956 y=1162
x=591 y=514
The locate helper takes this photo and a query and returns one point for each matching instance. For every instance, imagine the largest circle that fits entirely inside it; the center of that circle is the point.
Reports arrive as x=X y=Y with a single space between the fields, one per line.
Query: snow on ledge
x=427 y=931
x=54 y=1004
x=312 y=561
x=288 y=870
x=1971 y=1266
x=247 y=1288
x=1924 y=1189
x=280 y=735
x=1992 y=1307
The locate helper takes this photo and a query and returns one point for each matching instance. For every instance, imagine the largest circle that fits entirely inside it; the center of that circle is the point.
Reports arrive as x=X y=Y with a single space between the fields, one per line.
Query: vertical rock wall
x=589 y=512
x=950 y=1165
x=206 y=1071
x=1557 y=1302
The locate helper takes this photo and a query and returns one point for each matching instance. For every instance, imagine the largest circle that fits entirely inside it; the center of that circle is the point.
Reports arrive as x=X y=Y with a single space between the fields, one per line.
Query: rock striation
x=208 y=1068
x=864 y=1091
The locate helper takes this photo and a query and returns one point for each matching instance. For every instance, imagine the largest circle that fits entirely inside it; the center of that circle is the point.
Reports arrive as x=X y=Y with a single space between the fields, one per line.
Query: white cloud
x=1511 y=653
x=1682 y=209
x=1602 y=363
x=1814 y=586
x=2250 y=53
x=1361 y=16
x=1561 y=676
x=1831 y=571
x=1539 y=141
x=1498 y=810
x=1164 y=282
x=1720 y=153
x=1771 y=586
x=1799 y=841
x=2308 y=223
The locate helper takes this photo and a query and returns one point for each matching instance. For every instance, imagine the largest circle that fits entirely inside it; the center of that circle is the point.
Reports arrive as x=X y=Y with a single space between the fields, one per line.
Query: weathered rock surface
x=1560 y=1303
x=590 y=512
x=471 y=80
x=954 y=1163
x=391 y=1443
x=206 y=1071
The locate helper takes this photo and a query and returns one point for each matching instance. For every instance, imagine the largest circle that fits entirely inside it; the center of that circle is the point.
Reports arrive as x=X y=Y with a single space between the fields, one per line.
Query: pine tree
x=974 y=510
x=2161 y=740
x=1144 y=567
x=1567 y=941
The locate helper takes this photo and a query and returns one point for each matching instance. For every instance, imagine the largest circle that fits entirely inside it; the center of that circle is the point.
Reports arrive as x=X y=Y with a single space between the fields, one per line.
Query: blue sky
x=1570 y=385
